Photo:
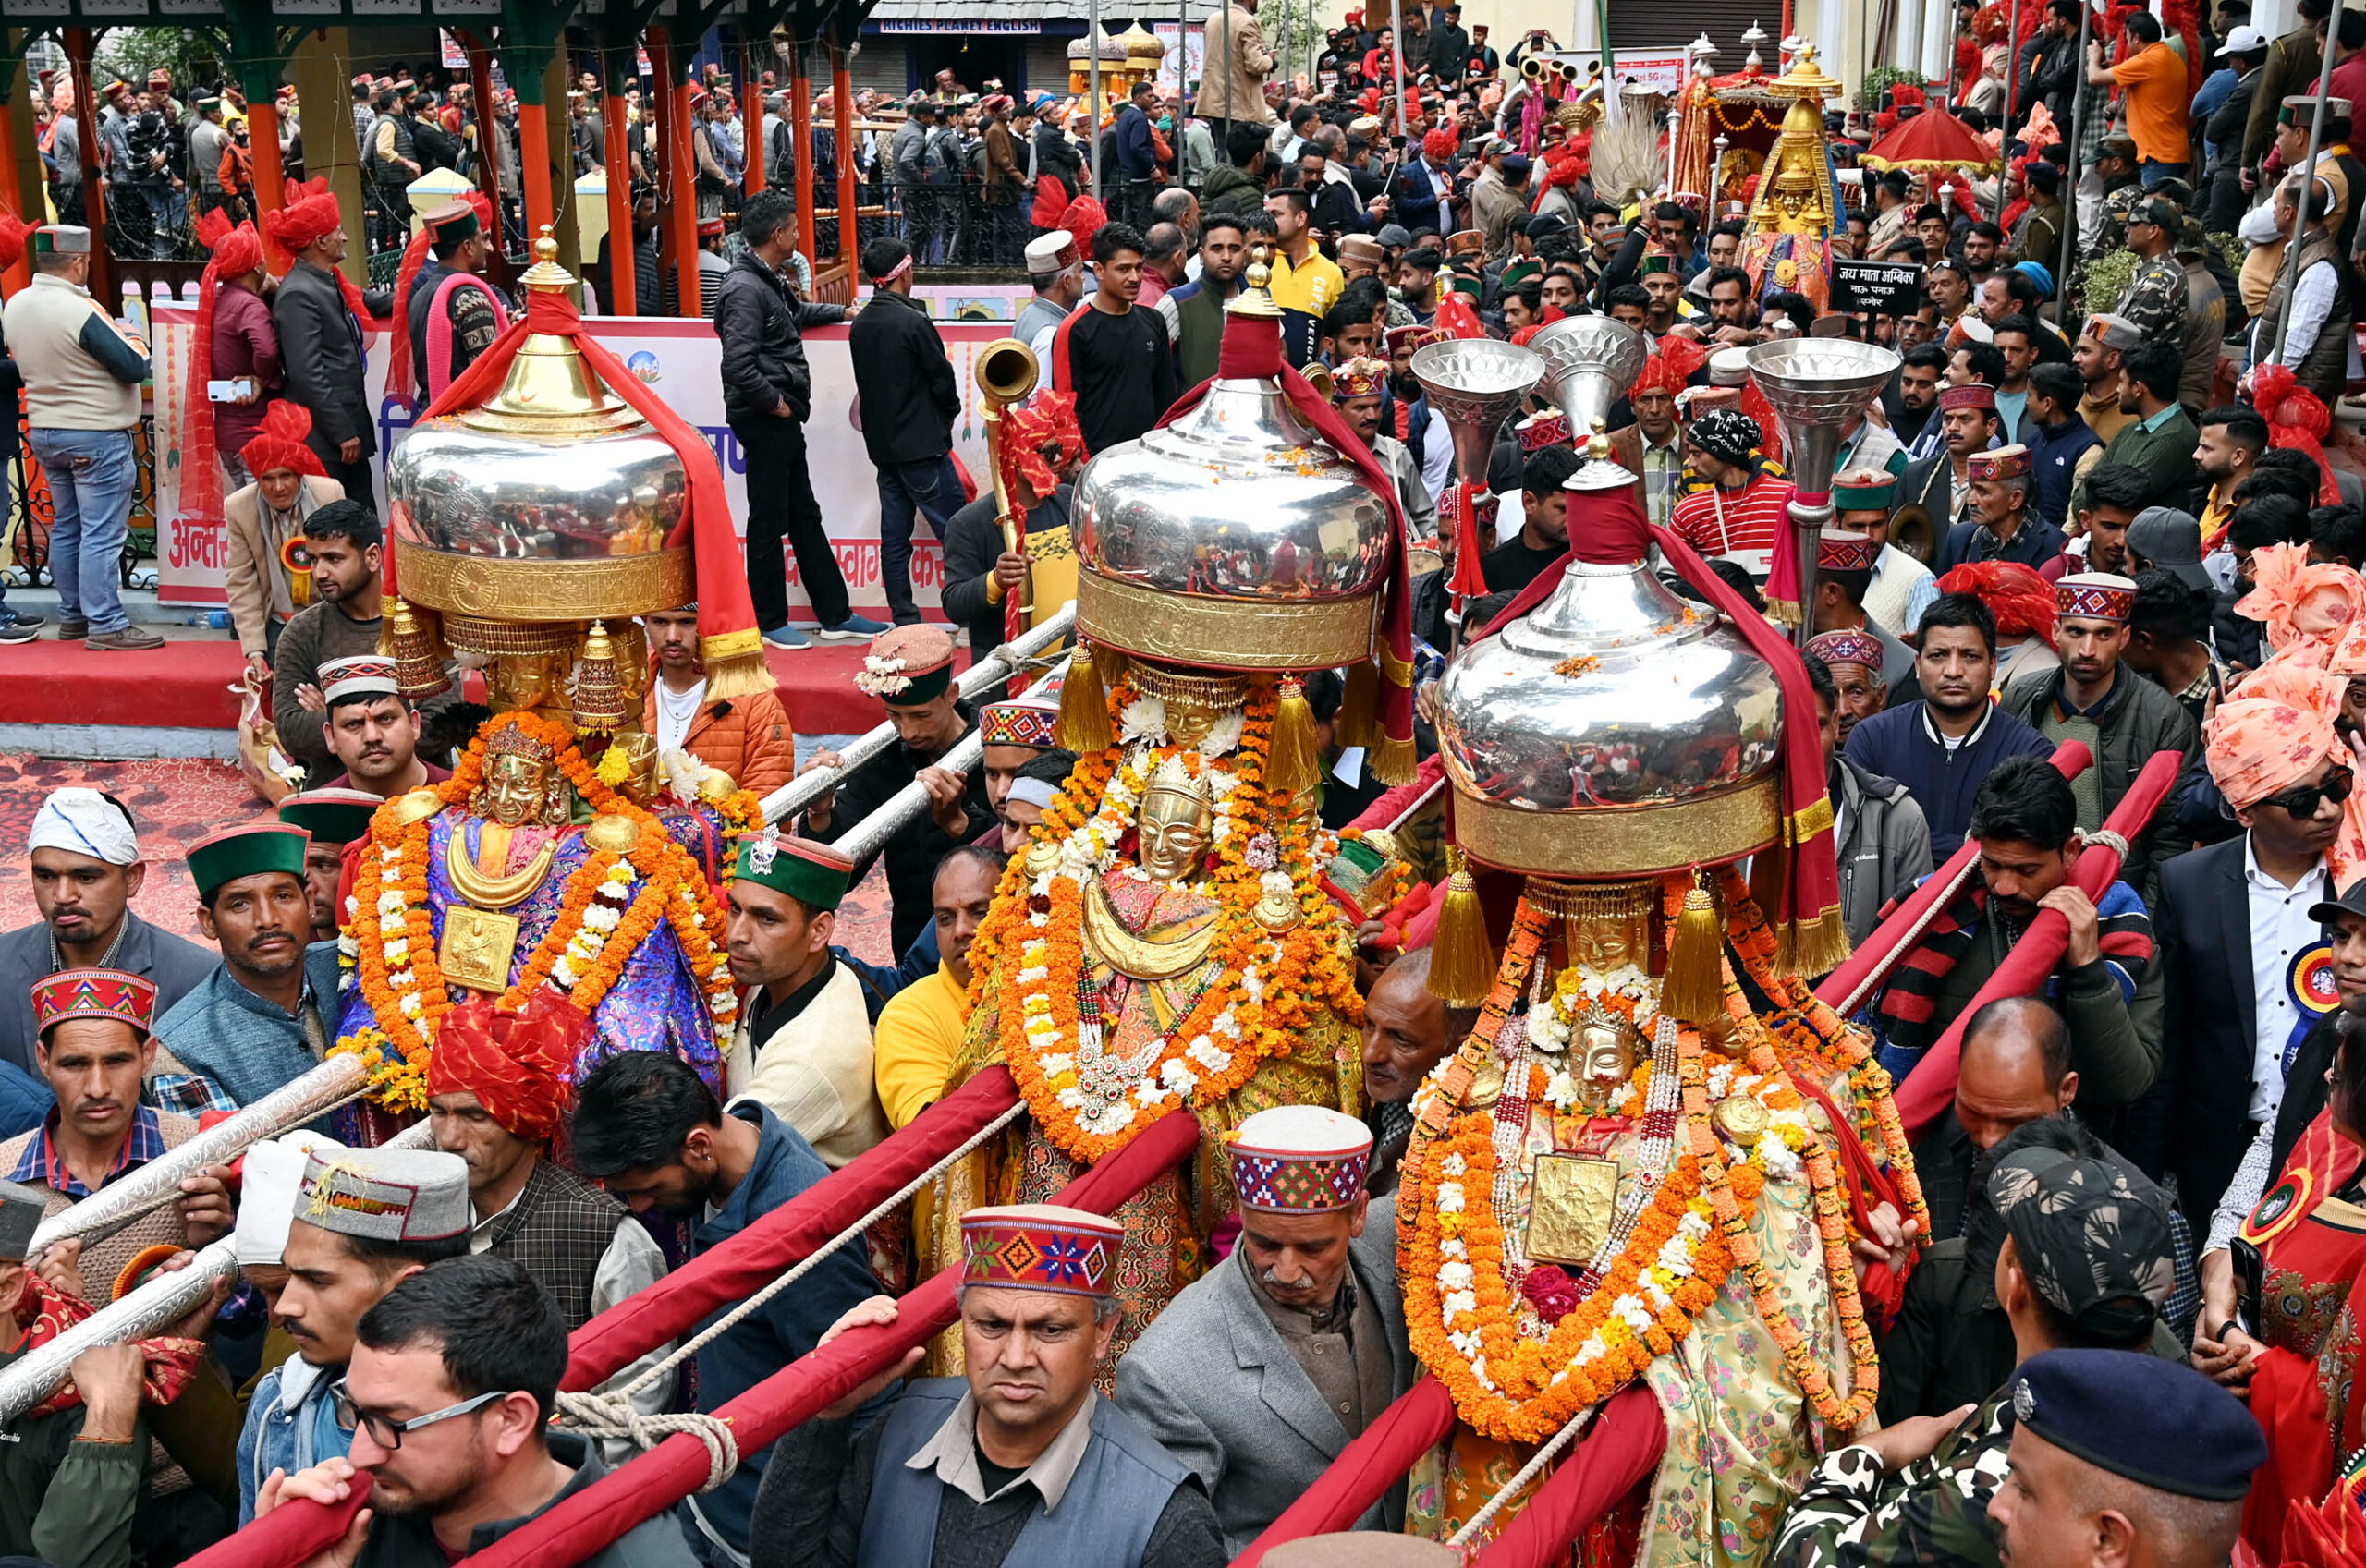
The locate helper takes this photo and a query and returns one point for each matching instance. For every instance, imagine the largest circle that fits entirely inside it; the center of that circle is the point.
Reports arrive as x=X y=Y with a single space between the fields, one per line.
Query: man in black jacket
x=767 y=397
x=2246 y=52
x=906 y=394
x=2048 y=63
x=320 y=345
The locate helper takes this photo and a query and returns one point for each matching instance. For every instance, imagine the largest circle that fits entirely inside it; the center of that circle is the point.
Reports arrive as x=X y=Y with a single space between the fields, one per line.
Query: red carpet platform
x=184 y=686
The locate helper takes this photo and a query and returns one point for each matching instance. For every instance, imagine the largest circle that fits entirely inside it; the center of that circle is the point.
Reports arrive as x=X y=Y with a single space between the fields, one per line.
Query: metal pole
x=1183 y=70
x=2309 y=189
x=1613 y=110
x=1231 y=86
x=1092 y=115
x=1397 y=58
x=2070 y=205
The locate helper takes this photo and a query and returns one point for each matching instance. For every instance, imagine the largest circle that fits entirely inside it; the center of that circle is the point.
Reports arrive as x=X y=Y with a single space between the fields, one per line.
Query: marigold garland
x=612 y=903
x=1266 y=988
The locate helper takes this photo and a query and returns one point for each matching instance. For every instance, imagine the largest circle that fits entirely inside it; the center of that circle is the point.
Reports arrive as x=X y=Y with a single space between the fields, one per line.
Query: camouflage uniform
x=1931 y=1513
x=2155 y=300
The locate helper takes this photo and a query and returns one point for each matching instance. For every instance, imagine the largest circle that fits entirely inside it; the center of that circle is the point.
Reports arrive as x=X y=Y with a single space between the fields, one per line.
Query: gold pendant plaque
x=1570 y=1206
x=477 y=948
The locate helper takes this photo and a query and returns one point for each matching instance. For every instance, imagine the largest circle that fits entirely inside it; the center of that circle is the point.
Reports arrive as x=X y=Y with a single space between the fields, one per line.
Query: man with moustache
x=334 y=818
x=1882 y=839
x=1407 y=1029
x=650 y=1131
x=1015 y=733
x=86 y=867
x=1263 y=1369
x=919 y=1030
x=374 y=729
x=268 y=1014
x=748 y=736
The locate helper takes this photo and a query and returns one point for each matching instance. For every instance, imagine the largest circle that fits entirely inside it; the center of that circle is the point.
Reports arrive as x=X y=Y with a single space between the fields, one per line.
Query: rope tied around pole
x=612 y=1415
x=1528 y=1472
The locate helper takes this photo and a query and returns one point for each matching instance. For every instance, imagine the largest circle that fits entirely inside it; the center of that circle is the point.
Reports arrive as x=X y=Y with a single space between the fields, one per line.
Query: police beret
x=2158 y=1423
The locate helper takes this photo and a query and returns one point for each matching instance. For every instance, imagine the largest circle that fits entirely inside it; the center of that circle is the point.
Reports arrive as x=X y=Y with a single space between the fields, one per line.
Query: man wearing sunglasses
x=453 y=1379
x=2243 y=948
x=2106 y=987
x=365 y=1220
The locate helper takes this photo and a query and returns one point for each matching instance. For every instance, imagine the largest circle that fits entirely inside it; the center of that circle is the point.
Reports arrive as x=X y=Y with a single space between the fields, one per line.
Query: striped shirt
x=1741 y=524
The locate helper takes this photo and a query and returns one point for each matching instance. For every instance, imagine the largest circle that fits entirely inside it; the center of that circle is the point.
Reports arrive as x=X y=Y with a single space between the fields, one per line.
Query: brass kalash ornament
x=1166 y=939
x=543 y=504
x=1629 y=1170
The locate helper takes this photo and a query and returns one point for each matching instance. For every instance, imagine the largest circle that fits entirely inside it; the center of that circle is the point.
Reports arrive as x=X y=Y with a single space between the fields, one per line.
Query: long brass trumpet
x=1007 y=373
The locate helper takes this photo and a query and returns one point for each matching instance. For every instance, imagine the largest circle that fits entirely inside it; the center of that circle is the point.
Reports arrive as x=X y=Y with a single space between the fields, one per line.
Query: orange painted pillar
x=534 y=167
x=751 y=118
x=622 y=278
x=682 y=174
x=842 y=101
x=488 y=127
x=11 y=196
x=801 y=104
x=94 y=207
x=271 y=179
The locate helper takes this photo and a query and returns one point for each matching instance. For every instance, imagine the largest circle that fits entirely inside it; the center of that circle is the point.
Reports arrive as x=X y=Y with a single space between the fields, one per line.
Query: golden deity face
x=1176 y=825
x=516 y=787
x=1607 y=1056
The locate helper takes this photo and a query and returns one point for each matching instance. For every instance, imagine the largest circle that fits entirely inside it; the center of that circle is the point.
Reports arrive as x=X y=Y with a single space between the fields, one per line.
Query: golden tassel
x=1693 y=988
x=1819 y=948
x=1462 y=961
x=1293 y=764
x=735 y=665
x=1392 y=762
x=1782 y=612
x=1084 y=705
x=413 y=639
x=1359 y=720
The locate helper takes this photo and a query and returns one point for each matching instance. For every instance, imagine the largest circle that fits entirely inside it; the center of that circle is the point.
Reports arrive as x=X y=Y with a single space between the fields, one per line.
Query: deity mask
x=1607 y=1057
x=522 y=784
x=1175 y=825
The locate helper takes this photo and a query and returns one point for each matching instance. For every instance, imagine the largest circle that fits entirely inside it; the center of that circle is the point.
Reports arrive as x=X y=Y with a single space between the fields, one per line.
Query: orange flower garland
x=405 y=986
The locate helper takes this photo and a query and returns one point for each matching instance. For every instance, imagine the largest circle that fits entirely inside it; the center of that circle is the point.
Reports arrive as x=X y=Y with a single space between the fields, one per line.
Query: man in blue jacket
x=1137 y=157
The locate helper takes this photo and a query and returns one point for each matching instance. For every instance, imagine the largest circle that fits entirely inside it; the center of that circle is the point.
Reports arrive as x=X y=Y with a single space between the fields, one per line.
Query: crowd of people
x=2123 y=522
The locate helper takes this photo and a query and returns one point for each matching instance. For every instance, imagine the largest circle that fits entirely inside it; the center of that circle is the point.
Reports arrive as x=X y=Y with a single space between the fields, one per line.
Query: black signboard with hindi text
x=1887 y=289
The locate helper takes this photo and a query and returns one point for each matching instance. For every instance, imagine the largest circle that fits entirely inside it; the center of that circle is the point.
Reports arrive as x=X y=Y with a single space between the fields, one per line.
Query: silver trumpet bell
x=1818 y=388
x=1474 y=385
x=1589 y=361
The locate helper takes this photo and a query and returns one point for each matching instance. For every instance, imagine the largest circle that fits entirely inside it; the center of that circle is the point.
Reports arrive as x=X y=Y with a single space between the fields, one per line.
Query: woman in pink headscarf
x=2305 y=608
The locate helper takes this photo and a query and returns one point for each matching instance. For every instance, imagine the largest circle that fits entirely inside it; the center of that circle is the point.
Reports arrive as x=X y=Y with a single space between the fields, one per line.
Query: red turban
x=13 y=233
x=520 y=1065
x=1440 y=144
x=1084 y=217
x=234 y=253
x=280 y=444
x=2020 y=599
x=312 y=212
x=1048 y=418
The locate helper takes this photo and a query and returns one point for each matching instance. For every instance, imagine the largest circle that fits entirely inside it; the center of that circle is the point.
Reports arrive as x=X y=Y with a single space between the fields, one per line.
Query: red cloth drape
x=290 y=1535
x=727 y=634
x=654 y=1483
x=735 y=1271
x=1930 y=1091
x=1364 y=1471
x=1625 y=1446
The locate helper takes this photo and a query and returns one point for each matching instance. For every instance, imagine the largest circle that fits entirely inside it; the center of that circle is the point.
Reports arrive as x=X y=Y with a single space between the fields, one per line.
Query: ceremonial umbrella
x=1931 y=143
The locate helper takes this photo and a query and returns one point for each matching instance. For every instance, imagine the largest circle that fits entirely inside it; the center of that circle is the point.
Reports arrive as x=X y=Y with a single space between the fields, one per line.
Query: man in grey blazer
x=1264 y=1368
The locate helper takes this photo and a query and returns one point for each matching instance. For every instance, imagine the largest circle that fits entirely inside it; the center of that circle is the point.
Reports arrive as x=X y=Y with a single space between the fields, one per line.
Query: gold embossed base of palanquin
x=1630 y=841
x=1224 y=634
x=612 y=586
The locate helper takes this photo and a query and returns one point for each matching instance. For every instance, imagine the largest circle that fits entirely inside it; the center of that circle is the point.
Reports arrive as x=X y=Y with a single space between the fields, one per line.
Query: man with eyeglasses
x=453 y=1379
x=365 y=1220
x=2243 y=947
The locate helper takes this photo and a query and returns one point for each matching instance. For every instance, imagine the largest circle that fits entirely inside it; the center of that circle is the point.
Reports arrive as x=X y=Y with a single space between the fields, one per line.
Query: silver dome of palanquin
x=1615 y=732
x=550 y=503
x=1236 y=538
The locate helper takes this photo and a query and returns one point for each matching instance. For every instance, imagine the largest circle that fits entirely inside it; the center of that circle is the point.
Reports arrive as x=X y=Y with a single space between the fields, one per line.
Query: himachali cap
x=451 y=220
x=248 y=850
x=2305 y=104
x=1844 y=550
x=2114 y=331
x=1465 y=242
x=386 y=1194
x=1033 y=720
x=1864 y=490
x=1399 y=337
x=1519 y=273
x=1299 y=1160
x=1051 y=253
x=2002 y=464
x=1854 y=645
x=331 y=816
x=94 y=994
x=1041 y=1246
x=1362 y=247
x=61 y=239
x=1656 y=262
x=268 y=1179
x=1540 y=430
x=908 y=667
x=2158 y=1423
x=808 y=870
x=1978 y=395
x=362 y=675
x=1358 y=378
x=2099 y=596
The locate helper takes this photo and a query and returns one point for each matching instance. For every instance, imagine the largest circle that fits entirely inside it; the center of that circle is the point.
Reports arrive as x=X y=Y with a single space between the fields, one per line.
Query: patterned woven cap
x=363 y=675
x=1299 y=1160
x=1540 y=430
x=94 y=994
x=1033 y=720
x=1840 y=550
x=1041 y=1246
x=1978 y=395
x=394 y=1195
x=1853 y=646
x=2002 y=463
x=2102 y=596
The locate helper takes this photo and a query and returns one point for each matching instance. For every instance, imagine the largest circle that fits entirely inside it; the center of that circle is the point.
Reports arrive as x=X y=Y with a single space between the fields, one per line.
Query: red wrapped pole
x=740 y=1267
x=1364 y=1471
x=1931 y=1089
x=1894 y=938
x=648 y=1486
x=293 y=1533
x=1625 y=1446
